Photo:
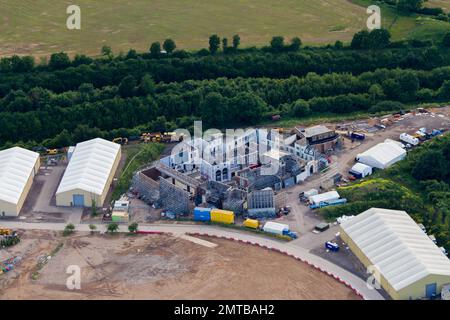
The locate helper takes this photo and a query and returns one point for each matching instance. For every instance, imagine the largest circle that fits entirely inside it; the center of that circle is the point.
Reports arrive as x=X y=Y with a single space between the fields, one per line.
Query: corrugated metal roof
x=396 y=245
x=16 y=166
x=90 y=166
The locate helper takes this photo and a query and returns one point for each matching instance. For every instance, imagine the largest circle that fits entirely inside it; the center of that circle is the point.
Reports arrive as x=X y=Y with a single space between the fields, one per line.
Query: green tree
x=169 y=45
x=59 y=61
x=410 y=5
x=132 y=54
x=155 y=49
x=68 y=229
x=338 y=45
x=133 y=227
x=277 y=44
x=147 y=85
x=360 y=40
x=300 y=108
x=236 y=41
x=92 y=227
x=444 y=91
x=107 y=52
x=429 y=165
x=127 y=86
x=296 y=43
x=62 y=139
x=446 y=40
x=214 y=43
x=379 y=39
x=112 y=227
x=225 y=44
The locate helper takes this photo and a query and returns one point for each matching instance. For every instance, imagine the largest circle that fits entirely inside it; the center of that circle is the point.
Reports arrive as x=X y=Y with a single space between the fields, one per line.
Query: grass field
x=412 y=26
x=444 y=4
x=38 y=27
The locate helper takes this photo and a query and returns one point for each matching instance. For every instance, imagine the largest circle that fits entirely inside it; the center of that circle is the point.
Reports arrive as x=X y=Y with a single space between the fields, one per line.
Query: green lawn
x=403 y=26
x=38 y=27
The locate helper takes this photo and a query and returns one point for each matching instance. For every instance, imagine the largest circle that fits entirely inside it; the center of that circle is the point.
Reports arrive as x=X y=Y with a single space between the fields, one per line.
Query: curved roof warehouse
x=18 y=167
x=410 y=265
x=382 y=156
x=89 y=174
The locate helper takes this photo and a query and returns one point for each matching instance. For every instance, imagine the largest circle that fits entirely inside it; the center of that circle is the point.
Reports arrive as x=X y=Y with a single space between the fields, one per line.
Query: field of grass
x=39 y=26
x=444 y=4
x=413 y=26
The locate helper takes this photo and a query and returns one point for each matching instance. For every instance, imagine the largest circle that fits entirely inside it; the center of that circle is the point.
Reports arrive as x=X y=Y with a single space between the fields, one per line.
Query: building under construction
x=246 y=172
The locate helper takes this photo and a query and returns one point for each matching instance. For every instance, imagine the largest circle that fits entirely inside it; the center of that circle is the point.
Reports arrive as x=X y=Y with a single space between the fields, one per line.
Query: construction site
x=265 y=192
x=159 y=267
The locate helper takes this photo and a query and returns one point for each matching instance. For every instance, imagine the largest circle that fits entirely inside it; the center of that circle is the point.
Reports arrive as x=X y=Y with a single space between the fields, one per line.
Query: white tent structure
x=361 y=170
x=410 y=265
x=327 y=196
x=382 y=156
x=18 y=167
x=89 y=173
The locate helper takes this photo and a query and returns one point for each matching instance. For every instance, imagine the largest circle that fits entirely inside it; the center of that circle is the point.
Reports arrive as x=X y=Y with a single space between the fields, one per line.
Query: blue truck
x=290 y=233
x=357 y=136
x=202 y=214
x=332 y=246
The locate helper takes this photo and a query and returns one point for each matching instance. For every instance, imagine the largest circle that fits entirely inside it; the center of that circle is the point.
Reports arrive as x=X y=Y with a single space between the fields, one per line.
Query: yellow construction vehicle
x=120 y=140
x=52 y=151
x=151 y=137
x=5 y=232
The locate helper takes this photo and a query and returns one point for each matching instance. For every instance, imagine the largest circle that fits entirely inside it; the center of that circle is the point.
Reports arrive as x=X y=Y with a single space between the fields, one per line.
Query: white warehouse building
x=89 y=174
x=18 y=168
x=409 y=264
x=382 y=156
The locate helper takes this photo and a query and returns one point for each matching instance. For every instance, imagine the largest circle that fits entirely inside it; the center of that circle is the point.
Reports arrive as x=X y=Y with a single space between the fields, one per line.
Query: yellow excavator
x=52 y=151
x=120 y=140
x=5 y=232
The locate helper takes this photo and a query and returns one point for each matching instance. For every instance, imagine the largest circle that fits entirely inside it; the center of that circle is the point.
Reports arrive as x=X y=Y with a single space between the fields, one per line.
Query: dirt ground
x=160 y=267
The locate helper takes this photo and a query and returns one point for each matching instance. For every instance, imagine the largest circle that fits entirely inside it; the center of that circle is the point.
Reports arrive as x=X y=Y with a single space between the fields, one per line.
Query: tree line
x=140 y=104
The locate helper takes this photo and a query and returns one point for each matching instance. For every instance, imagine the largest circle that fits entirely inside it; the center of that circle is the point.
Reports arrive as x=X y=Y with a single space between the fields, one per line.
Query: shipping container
x=202 y=214
x=251 y=223
x=222 y=216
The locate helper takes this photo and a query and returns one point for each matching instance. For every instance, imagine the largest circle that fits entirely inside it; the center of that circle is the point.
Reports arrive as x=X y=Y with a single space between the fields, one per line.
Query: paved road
x=179 y=230
x=51 y=182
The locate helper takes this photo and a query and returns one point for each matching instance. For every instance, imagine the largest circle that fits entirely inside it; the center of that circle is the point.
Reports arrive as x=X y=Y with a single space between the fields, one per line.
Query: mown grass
x=39 y=26
x=409 y=26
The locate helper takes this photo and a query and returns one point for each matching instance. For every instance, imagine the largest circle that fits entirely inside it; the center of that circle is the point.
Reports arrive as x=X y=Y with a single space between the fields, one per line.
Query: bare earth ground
x=161 y=267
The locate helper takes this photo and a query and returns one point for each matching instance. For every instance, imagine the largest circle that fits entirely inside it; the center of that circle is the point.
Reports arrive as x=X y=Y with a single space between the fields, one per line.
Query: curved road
x=182 y=229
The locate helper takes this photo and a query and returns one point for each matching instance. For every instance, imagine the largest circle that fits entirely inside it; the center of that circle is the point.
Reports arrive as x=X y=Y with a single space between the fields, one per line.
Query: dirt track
x=163 y=267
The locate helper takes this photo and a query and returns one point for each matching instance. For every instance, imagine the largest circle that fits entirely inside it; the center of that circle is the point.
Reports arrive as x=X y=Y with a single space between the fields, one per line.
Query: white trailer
x=327 y=196
x=409 y=139
x=275 y=228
